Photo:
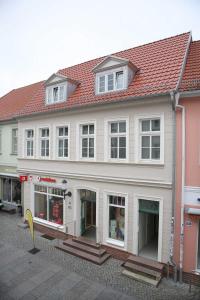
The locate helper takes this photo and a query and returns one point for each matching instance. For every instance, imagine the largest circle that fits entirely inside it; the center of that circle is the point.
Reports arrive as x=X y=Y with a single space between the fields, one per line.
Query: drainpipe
x=171 y=261
x=182 y=189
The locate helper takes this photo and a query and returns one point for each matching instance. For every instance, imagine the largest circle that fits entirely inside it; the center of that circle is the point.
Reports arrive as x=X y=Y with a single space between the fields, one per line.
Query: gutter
x=182 y=108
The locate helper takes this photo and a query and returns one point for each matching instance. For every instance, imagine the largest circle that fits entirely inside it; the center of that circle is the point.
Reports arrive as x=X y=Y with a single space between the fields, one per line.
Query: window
x=111 y=82
x=117 y=139
x=116 y=218
x=29 y=142
x=11 y=190
x=44 y=142
x=87 y=141
x=55 y=94
x=48 y=204
x=14 y=140
x=150 y=139
x=62 y=142
x=0 y=141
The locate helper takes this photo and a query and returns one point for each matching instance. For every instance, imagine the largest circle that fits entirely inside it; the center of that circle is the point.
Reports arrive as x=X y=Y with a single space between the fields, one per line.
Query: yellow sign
x=29 y=218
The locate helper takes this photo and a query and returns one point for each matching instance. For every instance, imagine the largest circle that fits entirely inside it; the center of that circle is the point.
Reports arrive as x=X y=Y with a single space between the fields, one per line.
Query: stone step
x=84 y=247
x=145 y=271
x=87 y=242
x=145 y=262
x=141 y=278
x=8 y=209
x=82 y=254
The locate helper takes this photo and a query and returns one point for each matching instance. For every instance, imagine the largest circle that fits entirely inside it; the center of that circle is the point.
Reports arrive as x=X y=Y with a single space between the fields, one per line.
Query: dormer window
x=55 y=94
x=59 y=88
x=113 y=74
x=111 y=82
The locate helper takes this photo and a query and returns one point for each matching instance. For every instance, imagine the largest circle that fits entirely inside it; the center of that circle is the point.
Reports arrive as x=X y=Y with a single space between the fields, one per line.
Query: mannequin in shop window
x=56 y=211
x=120 y=224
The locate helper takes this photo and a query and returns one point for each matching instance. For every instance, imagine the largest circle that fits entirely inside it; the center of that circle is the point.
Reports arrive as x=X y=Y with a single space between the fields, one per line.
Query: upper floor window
x=44 y=142
x=117 y=139
x=14 y=140
x=29 y=142
x=150 y=139
x=62 y=142
x=87 y=140
x=110 y=82
x=55 y=94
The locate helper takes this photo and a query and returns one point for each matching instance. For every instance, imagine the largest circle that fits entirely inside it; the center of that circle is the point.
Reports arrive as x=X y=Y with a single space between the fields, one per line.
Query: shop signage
x=47 y=179
x=23 y=178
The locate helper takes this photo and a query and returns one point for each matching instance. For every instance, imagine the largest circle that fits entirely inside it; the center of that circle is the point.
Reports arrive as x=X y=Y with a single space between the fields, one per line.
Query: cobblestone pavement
x=52 y=274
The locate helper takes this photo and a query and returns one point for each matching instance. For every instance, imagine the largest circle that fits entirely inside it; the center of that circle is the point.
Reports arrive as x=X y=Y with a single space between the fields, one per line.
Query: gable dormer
x=59 y=88
x=113 y=74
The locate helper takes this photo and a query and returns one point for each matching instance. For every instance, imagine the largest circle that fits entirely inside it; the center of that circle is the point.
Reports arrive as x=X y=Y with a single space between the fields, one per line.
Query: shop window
x=49 y=204
x=117 y=218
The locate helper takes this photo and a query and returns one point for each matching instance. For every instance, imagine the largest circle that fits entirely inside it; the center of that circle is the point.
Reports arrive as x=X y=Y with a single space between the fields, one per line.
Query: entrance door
x=88 y=214
x=148 y=229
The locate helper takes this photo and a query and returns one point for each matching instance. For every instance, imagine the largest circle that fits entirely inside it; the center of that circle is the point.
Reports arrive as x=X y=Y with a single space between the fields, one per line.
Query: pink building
x=187 y=213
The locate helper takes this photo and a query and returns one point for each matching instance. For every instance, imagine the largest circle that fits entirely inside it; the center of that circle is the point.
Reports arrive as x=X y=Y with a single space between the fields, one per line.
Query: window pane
x=16 y=191
x=84 y=143
x=41 y=206
x=91 y=129
x=47 y=147
x=145 y=153
x=122 y=141
x=155 y=125
x=66 y=131
x=45 y=132
x=114 y=142
x=145 y=141
x=29 y=133
x=110 y=82
x=61 y=93
x=146 y=125
x=56 y=210
x=91 y=152
x=155 y=141
x=116 y=223
x=91 y=142
x=114 y=127
x=102 y=84
x=61 y=132
x=113 y=152
x=55 y=94
x=155 y=153
x=122 y=152
x=60 y=148
x=40 y=188
x=84 y=152
x=66 y=148
x=85 y=129
x=119 y=80
x=122 y=126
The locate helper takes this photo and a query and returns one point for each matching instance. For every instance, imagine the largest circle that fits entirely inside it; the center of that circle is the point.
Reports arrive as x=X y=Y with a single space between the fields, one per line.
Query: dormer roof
x=58 y=78
x=113 y=61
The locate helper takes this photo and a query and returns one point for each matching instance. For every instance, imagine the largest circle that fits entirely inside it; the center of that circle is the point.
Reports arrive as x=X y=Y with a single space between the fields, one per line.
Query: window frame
x=80 y=136
x=42 y=138
x=14 y=151
x=57 y=126
x=105 y=74
x=107 y=141
x=107 y=239
x=138 y=141
x=29 y=139
x=49 y=91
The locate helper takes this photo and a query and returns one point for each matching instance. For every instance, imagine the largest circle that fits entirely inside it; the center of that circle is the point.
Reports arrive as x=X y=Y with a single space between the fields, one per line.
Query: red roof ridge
x=128 y=49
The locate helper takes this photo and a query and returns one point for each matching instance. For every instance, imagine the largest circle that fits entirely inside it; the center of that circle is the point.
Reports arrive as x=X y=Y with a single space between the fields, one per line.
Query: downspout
x=171 y=260
x=178 y=106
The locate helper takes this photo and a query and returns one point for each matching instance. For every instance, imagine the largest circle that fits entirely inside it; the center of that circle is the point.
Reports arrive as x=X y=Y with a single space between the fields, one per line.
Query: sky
x=39 y=37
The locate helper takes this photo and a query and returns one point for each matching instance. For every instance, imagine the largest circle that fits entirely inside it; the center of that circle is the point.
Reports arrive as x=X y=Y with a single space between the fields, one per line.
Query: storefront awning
x=193 y=211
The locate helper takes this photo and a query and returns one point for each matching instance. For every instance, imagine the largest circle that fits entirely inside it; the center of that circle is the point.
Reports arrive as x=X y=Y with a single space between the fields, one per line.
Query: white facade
x=131 y=178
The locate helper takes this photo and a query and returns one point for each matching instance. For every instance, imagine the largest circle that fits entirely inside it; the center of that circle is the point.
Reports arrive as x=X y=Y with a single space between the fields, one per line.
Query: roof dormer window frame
x=107 y=81
x=56 y=93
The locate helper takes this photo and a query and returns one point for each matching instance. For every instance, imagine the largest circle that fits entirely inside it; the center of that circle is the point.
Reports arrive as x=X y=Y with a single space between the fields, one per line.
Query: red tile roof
x=16 y=100
x=191 y=77
x=159 y=64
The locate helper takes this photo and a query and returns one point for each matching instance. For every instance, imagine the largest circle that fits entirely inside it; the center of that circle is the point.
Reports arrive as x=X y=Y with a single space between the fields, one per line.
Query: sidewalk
x=52 y=274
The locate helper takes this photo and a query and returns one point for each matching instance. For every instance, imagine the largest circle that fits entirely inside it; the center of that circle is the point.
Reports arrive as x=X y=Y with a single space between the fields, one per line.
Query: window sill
x=150 y=162
x=49 y=224
x=110 y=92
x=116 y=243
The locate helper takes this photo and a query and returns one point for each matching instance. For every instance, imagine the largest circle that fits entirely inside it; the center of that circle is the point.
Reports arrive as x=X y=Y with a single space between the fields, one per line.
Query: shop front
x=10 y=190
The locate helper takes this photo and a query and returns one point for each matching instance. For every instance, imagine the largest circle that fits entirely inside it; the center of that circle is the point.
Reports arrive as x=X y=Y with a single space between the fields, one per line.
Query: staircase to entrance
x=85 y=249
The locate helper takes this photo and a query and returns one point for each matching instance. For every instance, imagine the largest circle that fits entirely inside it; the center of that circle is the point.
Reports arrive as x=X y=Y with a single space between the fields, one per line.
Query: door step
x=8 y=208
x=87 y=242
x=143 y=269
x=84 y=250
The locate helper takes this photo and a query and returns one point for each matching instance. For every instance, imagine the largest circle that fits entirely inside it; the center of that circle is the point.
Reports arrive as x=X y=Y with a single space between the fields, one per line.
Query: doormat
x=34 y=250
x=48 y=237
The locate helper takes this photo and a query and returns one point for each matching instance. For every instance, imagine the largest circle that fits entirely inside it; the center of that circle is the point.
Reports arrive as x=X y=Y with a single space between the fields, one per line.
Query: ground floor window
x=48 y=203
x=116 y=218
x=11 y=190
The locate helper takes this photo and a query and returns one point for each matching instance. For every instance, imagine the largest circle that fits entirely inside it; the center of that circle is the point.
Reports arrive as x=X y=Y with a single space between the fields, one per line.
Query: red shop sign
x=23 y=178
x=47 y=179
